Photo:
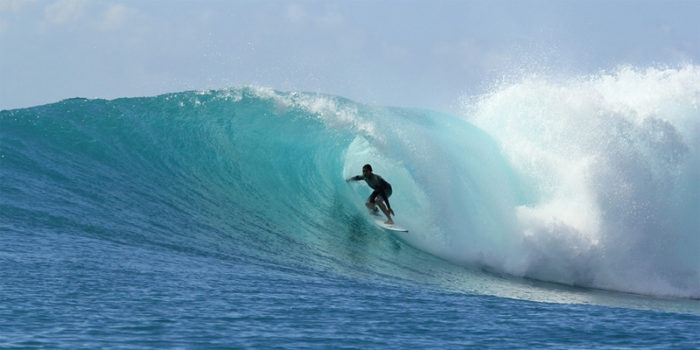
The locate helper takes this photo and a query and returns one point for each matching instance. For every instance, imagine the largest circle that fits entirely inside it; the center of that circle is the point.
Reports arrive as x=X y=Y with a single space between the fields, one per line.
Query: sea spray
x=612 y=166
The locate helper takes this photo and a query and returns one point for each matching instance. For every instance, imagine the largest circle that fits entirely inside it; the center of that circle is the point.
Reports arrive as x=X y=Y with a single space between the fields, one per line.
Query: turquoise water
x=549 y=215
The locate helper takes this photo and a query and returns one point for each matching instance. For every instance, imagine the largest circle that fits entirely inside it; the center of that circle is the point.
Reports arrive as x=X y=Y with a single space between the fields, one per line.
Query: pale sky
x=425 y=54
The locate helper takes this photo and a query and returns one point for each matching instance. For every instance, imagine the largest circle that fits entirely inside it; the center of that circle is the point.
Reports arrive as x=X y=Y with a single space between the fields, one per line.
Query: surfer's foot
x=389 y=222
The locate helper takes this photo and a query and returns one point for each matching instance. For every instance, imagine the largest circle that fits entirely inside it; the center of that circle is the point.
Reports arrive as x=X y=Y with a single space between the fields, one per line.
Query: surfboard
x=394 y=227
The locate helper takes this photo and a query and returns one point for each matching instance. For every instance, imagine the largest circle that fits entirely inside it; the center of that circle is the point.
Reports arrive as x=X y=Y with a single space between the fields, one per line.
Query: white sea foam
x=612 y=162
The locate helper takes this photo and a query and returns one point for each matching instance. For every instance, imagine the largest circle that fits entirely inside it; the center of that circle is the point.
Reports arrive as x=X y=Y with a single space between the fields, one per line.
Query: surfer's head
x=366 y=169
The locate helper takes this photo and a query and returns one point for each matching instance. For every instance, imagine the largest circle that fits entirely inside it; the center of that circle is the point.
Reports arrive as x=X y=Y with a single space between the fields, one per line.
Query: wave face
x=591 y=182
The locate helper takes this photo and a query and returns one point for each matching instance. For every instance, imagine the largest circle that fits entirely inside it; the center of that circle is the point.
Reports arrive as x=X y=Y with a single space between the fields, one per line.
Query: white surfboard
x=394 y=227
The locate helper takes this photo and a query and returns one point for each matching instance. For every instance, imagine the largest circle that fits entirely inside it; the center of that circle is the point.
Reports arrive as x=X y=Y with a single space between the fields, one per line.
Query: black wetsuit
x=380 y=186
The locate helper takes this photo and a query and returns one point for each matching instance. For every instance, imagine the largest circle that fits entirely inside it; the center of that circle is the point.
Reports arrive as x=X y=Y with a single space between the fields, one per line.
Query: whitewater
x=222 y=218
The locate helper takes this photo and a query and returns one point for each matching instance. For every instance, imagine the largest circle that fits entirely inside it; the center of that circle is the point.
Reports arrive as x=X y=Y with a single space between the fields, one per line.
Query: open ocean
x=551 y=214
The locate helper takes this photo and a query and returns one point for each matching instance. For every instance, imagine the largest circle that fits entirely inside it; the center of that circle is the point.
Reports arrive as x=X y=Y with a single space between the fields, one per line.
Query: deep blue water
x=221 y=219
x=63 y=291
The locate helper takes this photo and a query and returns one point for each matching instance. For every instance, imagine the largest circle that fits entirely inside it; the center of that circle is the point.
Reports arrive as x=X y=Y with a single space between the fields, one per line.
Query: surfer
x=381 y=193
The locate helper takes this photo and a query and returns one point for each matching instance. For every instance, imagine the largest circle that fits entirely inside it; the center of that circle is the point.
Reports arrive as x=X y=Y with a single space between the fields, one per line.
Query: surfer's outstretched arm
x=355 y=178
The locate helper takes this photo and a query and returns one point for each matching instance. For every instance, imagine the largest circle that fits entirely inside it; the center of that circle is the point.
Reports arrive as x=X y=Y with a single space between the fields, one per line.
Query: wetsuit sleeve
x=356 y=178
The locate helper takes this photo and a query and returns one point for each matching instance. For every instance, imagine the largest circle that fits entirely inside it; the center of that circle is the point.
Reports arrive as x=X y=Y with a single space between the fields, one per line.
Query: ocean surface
x=551 y=213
